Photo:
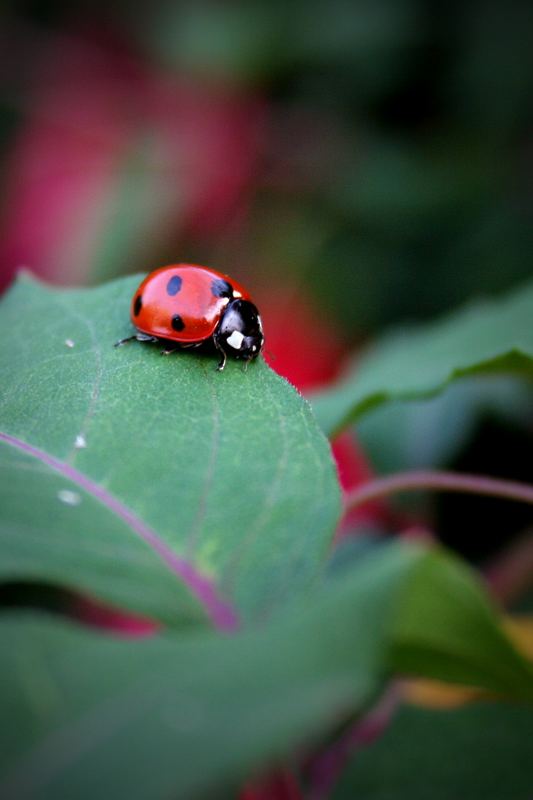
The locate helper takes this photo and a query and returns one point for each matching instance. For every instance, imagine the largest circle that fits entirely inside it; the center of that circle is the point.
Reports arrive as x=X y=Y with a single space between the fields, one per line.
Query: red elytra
x=199 y=295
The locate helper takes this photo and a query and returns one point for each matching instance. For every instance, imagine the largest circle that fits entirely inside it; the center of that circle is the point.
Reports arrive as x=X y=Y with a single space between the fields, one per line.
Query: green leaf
x=85 y=715
x=182 y=715
x=405 y=435
x=484 y=337
x=446 y=628
x=480 y=753
x=158 y=484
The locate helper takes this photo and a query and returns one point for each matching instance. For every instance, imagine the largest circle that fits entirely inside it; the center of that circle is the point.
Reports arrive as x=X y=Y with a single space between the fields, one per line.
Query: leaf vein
x=221 y=613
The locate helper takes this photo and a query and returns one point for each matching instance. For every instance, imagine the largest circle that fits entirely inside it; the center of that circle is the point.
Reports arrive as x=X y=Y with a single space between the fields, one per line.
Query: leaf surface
x=486 y=337
x=448 y=629
x=431 y=432
x=184 y=715
x=481 y=753
x=155 y=483
x=85 y=715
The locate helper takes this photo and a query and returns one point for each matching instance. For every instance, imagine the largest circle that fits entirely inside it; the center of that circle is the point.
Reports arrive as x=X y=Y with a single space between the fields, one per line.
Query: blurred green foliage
x=481 y=752
x=413 y=156
x=394 y=169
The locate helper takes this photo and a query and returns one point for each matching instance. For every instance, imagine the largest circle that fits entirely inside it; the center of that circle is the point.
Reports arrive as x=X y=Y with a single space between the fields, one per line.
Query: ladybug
x=188 y=306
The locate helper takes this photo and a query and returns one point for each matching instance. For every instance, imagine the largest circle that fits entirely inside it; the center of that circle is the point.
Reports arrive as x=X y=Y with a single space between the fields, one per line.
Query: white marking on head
x=80 y=442
x=69 y=343
x=235 y=340
x=254 y=348
x=236 y=293
x=260 y=323
x=68 y=497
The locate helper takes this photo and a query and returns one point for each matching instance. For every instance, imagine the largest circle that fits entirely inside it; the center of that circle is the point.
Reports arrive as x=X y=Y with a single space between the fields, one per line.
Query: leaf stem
x=440 y=481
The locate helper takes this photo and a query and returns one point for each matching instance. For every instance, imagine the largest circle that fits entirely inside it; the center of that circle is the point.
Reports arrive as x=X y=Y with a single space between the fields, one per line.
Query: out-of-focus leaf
x=481 y=753
x=447 y=629
x=256 y=40
x=400 y=190
x=85 y=715
x=492 y=80
x=437 y=694
x=379 y=276
x=486 y=337
x=235 y=41
x=423 y=433
x=181 y=715
x=141 y=479
x=135 y=209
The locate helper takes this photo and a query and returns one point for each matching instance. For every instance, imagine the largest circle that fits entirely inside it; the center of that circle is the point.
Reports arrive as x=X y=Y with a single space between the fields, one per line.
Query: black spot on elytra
x=177 y=323
x=174 y=285
x=137 y=305
x=221 y=288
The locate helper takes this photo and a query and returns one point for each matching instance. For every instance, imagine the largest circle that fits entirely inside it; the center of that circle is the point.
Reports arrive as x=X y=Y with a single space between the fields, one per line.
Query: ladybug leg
x=178 y=347
x=223 y=356
x=123 y=341
x=145 y=337
x=140 y=337
x=222 y=362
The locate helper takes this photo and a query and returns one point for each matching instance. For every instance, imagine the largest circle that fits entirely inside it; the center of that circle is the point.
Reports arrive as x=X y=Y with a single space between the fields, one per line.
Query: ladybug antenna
x=271 y=355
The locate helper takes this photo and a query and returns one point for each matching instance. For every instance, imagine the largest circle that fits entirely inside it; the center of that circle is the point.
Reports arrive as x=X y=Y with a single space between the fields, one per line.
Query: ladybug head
x=239 y=332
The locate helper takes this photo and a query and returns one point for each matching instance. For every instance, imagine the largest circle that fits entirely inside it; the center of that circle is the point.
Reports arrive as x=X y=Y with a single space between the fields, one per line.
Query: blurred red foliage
x=280 y=785
x=96 y=614
x=95 y=114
